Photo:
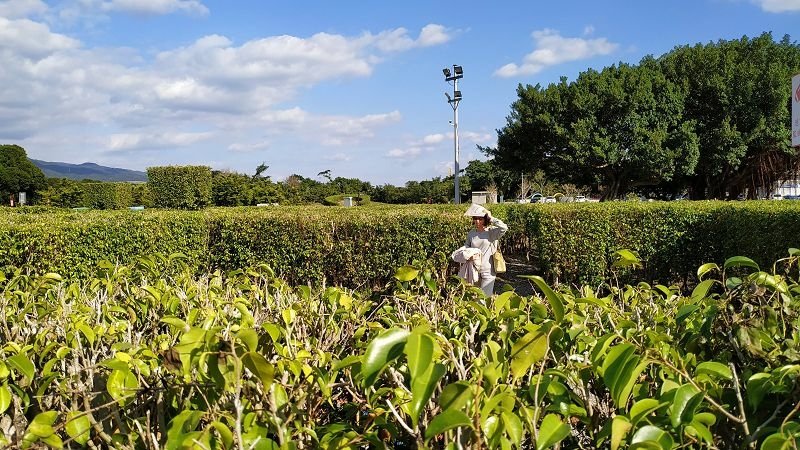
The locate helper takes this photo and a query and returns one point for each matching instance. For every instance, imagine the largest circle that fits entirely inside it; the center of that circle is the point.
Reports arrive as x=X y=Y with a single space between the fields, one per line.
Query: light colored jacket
x=469 y=269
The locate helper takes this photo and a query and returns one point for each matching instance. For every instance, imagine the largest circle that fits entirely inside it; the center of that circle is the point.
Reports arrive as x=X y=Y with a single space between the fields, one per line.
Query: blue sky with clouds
x=354 y=87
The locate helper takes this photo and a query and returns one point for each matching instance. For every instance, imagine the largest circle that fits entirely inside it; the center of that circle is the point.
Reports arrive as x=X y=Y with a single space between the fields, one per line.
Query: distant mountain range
x=90 y=171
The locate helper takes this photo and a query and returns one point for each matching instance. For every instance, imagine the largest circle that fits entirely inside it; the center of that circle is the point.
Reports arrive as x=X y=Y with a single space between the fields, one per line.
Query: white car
x=580 y=198
x=549 y=199
x=777 y=197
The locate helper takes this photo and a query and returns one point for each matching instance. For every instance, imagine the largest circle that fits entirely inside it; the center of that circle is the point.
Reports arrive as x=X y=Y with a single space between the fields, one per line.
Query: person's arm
x=499 y=228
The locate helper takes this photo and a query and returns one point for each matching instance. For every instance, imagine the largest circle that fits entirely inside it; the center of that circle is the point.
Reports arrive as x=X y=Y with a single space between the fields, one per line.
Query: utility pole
x=454 y=76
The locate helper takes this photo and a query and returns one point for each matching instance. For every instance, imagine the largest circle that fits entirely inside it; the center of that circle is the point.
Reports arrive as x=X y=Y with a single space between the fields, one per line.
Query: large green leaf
x=23 y=365
x=422 y=388
x=705 y=268
x=5 y=398
x=740 y=261
x=185 y=422
x=684 y=404
x=551 y=431
x=714 y=369
x=406 y=273
x=513 y=427
x=249 y=338
x=642 y=408
x=259 y=366
x=78 y=426
x=701 y=290
x=122 y=385
x=42 y=425
x=526 y=351
x=554 y=298
x=654 y=435
x=455 y=395
x=620 y=426
x=384 y=348
x=419 y=350
x=620 y=370
x=447 y=420
x=225 y=433
x=625 y=258
x=779 y=441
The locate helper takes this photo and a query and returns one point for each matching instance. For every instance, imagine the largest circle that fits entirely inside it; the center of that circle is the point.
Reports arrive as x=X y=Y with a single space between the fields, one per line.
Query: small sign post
x=796 y=110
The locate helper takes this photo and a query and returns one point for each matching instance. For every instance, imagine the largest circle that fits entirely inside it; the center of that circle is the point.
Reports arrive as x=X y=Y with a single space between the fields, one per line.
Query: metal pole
x=455 y=144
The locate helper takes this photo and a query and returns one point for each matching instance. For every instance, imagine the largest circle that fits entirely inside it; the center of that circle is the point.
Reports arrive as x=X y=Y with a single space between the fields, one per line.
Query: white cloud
x=341 y=130
x=340 y=157
x=249 y=147
x=155 y=7
x=778 y=6
x=398 y=39
x=12 y=9
x=552 y=49
x=477 y=138
x=434 y=142
x=27 y=40
x=150 y=141
x=433 y=139
x=404 y=153
x=433 y=34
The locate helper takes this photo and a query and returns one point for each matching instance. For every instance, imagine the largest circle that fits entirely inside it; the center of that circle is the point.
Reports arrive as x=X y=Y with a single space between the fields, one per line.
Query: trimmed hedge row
x=363 y=246
x=303 y=244
x=107 y=195
x=575 y=243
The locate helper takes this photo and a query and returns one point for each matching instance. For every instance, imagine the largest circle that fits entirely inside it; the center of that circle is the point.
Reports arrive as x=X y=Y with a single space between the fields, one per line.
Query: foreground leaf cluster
x=133 y=358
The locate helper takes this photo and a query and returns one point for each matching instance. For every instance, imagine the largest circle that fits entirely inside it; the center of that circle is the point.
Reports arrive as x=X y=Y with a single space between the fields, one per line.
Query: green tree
x=18 y=173
x=230 y=188
x=738 y=93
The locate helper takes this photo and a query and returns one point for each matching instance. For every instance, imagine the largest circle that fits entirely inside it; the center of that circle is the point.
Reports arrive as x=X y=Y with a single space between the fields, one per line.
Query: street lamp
x=454 y=100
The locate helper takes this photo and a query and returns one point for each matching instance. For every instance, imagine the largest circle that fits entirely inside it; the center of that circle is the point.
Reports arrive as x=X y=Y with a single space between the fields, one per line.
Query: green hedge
x=303 y=244
x=361 y=247
x=180 y=187
x=107 y=195
x=576 y=242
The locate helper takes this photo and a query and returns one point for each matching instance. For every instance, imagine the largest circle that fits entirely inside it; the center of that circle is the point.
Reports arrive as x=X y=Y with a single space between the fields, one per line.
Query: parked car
x=777 y=197
x=549 y=199
x=536 y=198
x=580 y=198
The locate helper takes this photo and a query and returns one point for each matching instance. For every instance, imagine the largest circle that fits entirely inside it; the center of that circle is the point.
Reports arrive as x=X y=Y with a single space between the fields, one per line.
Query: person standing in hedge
x=484 y=237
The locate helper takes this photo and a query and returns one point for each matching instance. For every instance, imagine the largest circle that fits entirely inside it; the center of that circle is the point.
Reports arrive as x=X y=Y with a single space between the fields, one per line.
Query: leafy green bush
x=107 y=195
x=570 y=243
x=180 y=187
x=133 y=358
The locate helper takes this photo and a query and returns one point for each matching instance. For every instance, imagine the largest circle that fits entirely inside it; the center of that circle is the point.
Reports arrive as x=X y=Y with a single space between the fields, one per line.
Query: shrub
x=180 y=187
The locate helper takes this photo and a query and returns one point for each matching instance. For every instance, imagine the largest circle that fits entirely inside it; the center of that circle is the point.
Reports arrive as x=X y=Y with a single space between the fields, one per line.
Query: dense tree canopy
x=712 y=119
x=18 y=173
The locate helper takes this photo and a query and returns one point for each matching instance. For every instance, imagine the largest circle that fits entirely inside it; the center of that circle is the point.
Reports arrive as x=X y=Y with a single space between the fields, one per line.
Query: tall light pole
x=454 y=76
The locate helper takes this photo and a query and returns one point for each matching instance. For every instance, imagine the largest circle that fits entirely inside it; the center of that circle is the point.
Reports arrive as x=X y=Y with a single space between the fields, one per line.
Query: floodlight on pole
x=454 y=76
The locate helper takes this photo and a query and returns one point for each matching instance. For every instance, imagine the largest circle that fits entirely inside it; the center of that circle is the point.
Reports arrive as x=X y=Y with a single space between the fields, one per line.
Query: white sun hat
x=476 y=211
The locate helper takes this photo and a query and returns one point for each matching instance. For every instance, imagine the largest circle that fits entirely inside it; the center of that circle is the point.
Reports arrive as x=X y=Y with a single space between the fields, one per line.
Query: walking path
x=517 y=265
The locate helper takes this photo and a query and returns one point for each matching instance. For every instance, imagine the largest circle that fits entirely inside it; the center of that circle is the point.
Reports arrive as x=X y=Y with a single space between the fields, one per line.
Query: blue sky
x=354 y=87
